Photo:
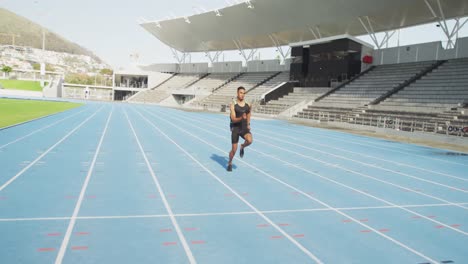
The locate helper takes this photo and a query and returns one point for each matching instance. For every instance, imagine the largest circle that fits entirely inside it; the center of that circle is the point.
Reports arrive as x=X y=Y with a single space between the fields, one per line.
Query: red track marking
x=171 y=196
x=80 y=248
x=170 y=243
x=263 y=225
x=245 y=194
x=439 y=226
x=82 y=233
x=384 y=230
x=165 y=230
x=346 y=221
x=70 y=197
x=431 y=216
x=190 y=229
x=153 y=196
x=298 y=235
x=416 y=217
x=91 y=196
x=53 y=234
x=198 y=242
x=364 y=220
x=283 y=224
x=455 y=225
x=228 y=194
x=365 y=231
x=276 y=237
x=45 y=249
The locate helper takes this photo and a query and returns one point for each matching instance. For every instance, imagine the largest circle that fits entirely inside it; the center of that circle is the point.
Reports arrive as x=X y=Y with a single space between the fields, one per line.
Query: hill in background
x=31 y=35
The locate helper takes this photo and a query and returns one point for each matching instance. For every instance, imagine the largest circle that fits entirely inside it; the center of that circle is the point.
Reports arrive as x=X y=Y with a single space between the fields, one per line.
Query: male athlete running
x=240 y=125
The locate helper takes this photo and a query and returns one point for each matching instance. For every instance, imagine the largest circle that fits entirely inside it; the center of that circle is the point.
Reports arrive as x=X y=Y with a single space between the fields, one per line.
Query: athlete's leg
x=231 y=156
x=232 y=153
x=234 y=141
x=248 y=140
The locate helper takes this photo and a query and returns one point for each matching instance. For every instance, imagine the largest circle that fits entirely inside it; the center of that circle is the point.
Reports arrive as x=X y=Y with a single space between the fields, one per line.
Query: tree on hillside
x=48 y=67
x=106 y=72
x=7 y=70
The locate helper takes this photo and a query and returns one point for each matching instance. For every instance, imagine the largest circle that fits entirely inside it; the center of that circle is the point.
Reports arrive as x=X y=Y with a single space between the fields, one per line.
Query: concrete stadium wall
x=77 y=91
x=231 y=66
x=421 y=52
x=264 y=66
x=161 y=67
x=220 y=67
x=194 y=67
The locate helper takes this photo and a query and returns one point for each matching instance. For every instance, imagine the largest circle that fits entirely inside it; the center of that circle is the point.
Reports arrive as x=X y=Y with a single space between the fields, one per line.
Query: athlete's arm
x=234 y=119
x=248 y=117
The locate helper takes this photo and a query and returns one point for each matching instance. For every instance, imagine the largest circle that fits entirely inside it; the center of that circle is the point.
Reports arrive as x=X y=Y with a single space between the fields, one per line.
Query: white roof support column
x=246 y=57
x=370 y=30
x=280 y=48
x=214 y=58
x=183 y=57
x=318 y=34
x=450 y=33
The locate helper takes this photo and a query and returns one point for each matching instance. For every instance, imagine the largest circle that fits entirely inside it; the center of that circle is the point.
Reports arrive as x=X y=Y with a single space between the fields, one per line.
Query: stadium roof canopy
x=267 y=23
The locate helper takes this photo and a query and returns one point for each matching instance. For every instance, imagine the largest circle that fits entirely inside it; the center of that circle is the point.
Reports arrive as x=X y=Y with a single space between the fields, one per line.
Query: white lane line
x=306 y=194
x=290 y=238
x=287 y=211
x=354 y=189
x=383 y=146
x=369 y=156
x=358 y=138
x=66 y=239
x=46 y=152
x=368 y=164
x=40 y=129
x=181 y=236
x=360 y=162
x=341 y=168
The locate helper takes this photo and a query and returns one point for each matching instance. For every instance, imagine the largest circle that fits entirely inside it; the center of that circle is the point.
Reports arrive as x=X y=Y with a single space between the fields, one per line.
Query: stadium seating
x=163 y=91
x=372 y=85
x=275 y=107
x=441 y=89
x=225 y=94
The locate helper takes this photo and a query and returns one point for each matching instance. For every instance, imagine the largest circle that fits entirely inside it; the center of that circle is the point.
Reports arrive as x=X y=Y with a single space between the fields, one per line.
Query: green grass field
x=21 y=85
x=14 y=111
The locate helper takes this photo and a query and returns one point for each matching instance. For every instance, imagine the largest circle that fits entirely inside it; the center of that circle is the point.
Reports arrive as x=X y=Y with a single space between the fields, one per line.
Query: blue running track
x=118 y=183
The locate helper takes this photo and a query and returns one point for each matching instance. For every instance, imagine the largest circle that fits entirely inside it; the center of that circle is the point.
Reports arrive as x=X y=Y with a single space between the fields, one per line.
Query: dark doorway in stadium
x=121 y=95
x=323 y=63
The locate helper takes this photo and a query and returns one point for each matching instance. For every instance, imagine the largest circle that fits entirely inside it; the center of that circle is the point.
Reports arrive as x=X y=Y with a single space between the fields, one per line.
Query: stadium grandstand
x=325 y=73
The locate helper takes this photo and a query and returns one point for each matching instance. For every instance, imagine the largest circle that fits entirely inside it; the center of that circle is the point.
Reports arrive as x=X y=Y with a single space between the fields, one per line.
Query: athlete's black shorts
x=236 y=131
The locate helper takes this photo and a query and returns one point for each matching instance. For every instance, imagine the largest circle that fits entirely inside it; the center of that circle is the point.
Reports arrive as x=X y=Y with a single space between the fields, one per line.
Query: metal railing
x=401 y=124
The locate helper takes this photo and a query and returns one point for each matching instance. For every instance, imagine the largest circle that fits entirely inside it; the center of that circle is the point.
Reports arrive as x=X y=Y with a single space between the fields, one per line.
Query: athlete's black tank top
x=240 y=110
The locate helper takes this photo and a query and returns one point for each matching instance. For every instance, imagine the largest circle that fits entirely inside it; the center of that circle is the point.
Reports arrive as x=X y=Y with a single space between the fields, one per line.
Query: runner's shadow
x=223 y=161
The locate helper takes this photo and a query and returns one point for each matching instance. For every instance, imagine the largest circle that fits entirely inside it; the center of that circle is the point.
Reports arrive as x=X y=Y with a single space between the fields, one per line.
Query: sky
x=109 y=28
